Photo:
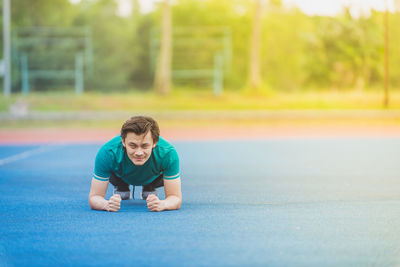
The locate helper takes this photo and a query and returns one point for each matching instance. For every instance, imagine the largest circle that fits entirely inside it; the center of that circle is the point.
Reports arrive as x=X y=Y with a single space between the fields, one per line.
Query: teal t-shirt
x=112 y=157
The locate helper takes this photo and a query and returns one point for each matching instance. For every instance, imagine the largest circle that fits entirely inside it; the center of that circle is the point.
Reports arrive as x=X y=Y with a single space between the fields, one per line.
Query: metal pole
x=25 y=74
x=6 y=47
x=79 y=74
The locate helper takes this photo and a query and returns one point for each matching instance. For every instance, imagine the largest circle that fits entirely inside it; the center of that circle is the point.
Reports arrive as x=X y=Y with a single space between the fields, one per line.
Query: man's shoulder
x=163 y=148
x=168 y=158
x=163 y=144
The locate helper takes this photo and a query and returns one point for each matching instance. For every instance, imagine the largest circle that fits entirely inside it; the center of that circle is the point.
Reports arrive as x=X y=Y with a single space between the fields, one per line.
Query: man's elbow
x=92 y=207
x=92 y=202
x=173 y=202
x=178 y=206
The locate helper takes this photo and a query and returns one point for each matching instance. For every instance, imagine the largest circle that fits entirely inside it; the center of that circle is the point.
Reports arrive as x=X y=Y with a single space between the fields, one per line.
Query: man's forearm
x=98 y=203
x=172 y=203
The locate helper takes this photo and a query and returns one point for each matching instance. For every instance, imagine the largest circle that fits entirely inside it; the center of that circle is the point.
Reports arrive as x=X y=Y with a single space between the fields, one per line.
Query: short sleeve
x=171 y=170
x=102 y=165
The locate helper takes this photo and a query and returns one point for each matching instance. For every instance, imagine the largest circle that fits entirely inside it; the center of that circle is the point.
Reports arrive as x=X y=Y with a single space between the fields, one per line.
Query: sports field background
x=294 y=161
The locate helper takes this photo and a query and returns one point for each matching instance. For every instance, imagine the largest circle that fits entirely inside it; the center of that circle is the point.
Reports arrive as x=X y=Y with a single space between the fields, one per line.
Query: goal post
x=201 y=54
x=41 y=54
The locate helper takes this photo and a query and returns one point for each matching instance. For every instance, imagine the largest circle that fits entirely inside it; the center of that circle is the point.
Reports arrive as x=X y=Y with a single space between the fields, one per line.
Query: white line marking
x=27 y=154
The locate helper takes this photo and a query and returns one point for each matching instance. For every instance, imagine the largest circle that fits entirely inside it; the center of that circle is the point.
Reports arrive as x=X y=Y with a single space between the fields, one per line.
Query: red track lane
x=53 y=135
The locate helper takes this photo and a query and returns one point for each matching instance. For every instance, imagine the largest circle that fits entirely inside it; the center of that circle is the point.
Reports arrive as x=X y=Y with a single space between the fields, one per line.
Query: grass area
x=189 y=100
x=207 y=123
x=204 y=100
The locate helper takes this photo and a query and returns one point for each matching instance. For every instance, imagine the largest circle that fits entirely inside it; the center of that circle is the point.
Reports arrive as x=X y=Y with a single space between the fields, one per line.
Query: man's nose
x=139 y=152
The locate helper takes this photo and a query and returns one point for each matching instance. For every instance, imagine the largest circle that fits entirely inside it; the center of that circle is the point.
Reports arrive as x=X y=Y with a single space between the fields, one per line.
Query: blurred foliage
x=298 y=51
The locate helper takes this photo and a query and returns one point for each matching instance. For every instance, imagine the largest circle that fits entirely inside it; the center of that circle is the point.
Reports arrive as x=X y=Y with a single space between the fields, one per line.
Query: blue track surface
x=323 y=202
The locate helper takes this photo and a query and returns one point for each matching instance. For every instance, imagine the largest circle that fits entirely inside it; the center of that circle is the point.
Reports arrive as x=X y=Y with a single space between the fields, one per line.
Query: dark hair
x=141 y=125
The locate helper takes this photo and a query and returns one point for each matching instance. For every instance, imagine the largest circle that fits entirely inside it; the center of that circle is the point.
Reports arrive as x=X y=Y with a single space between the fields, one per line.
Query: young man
x=139 y=156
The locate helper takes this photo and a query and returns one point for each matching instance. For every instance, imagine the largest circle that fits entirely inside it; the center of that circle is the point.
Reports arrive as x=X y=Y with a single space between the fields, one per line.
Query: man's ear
x=123 y=141
x=154 y=145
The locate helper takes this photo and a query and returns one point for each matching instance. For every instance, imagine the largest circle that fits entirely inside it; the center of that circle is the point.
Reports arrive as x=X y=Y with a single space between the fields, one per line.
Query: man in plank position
x=138 y=156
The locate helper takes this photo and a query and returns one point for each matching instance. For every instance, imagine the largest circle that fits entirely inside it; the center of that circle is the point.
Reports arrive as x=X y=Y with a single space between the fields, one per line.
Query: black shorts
x=122 y=186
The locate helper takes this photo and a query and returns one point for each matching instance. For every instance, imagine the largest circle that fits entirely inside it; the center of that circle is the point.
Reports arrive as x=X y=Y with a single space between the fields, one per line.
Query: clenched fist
x=154 y=203
x=114 y=203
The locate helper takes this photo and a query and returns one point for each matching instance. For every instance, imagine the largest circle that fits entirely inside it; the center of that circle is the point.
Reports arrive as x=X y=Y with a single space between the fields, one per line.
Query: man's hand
x=154 y=203
x=114 y=203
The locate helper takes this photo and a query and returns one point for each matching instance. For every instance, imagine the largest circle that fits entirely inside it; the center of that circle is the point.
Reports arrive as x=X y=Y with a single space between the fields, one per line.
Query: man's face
x=139 y=147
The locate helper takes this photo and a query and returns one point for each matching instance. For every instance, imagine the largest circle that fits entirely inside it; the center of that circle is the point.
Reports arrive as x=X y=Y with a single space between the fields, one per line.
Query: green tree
x=346 y=51
x=254 y=63
x=162 y=81
x=42 y=13
x=116 y=45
